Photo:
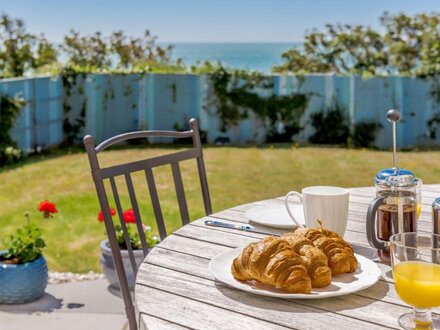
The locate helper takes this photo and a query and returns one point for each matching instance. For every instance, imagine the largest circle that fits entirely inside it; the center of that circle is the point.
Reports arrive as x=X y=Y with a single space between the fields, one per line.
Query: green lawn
x=236 y=175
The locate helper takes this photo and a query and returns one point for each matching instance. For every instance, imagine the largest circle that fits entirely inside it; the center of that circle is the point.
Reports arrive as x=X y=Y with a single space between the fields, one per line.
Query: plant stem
x=27 y=219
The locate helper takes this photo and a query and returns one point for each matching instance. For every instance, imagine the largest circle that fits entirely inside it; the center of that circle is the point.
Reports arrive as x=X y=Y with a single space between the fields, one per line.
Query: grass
x=235 y=175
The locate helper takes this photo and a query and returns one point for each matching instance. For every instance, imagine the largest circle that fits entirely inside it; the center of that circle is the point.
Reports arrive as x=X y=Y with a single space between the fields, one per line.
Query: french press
x=394 y=210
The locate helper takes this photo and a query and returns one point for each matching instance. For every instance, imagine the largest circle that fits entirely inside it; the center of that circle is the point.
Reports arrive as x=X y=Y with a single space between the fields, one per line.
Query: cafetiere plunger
x=393 y=116
x=394 y=210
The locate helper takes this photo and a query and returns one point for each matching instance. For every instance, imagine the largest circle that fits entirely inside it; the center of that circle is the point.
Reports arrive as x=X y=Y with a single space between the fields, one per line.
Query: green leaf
x=39 y=243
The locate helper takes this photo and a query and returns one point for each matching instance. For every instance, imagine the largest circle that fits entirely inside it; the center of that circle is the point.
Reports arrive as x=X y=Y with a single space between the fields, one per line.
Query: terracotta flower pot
x=22 y=283
x=108 y=267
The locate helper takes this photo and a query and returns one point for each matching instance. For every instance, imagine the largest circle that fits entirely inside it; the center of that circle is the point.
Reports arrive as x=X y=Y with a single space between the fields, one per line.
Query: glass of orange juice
x=415 y=259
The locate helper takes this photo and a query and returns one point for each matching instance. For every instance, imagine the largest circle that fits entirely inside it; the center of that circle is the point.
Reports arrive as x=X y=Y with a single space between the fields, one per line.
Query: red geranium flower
x=101 y=216
x=47 y=208
x=129 y=216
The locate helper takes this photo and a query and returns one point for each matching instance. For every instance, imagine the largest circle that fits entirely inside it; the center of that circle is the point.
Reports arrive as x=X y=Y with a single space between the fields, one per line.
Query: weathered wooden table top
x=174 y=288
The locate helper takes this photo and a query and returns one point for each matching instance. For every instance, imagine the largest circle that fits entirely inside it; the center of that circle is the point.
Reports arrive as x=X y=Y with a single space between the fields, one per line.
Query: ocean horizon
x=256 y=56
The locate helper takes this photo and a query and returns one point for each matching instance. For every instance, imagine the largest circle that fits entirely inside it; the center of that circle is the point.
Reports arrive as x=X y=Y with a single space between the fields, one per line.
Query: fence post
x=330 y=99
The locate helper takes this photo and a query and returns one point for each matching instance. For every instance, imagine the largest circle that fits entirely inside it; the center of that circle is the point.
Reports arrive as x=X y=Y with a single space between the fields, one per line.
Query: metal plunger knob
x=393 y=116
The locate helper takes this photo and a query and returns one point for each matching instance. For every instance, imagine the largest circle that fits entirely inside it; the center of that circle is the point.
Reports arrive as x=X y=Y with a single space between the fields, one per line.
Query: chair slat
x=137 y=214
x=204 y=186
x=197 y=144
x=123 y=225
x=155 y=201
x=140 y=165
x=180 y=192
x=141 y=134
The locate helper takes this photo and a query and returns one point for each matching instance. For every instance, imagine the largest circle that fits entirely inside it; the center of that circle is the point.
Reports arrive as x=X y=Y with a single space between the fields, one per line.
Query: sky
x=204 y=20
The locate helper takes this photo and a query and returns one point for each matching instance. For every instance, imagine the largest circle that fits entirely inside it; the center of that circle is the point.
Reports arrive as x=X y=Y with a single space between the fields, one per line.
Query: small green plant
x=129 y=218
x=27 y=245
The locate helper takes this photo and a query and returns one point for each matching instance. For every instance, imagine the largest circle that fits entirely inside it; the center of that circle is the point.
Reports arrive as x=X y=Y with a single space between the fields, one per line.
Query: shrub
x=331 y=127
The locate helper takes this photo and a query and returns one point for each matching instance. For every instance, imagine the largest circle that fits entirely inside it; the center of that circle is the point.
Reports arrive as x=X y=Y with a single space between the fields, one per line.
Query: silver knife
x=216 y=223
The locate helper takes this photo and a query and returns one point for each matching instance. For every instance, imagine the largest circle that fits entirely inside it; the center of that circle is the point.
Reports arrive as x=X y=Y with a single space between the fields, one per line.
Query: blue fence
x=40 y=122
x=113 y=104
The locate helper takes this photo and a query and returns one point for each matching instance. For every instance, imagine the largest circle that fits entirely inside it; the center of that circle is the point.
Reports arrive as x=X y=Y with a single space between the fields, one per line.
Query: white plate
x=367 y=274
x=276 y=216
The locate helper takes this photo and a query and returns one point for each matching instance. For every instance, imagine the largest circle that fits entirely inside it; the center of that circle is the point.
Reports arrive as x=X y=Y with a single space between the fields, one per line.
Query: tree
x=45 y=53
x=90 y=51
x=117 y=51
x=300 y=63
x=16 y=49
x=413 y=42
x=21 y=51
x=132 y=52
x=409 y=46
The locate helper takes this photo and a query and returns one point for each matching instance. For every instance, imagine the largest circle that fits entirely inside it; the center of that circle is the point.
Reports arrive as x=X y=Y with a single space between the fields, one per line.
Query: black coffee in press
x=388 y=223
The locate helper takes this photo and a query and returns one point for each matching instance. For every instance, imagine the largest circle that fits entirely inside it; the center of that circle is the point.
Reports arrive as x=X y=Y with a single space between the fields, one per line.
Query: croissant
x=340 y=254
x=272 y=261
x=314 y=259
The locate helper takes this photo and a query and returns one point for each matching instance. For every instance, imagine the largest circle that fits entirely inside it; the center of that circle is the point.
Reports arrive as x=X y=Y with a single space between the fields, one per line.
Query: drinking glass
x=415 y=259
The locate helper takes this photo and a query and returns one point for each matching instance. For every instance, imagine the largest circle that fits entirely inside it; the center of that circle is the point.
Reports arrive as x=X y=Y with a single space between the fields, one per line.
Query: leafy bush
x=237 y=92
x=408 y=45
x=331 y=127
x=364 y=134
x=9 y=108
x=21 y=51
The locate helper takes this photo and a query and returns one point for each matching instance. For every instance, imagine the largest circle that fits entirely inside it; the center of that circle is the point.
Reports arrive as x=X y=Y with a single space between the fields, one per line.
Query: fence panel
x=39 y=123
x=104 y=105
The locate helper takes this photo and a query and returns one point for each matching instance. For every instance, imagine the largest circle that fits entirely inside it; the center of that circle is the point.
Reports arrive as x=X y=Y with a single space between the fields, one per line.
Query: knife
x=216 y=223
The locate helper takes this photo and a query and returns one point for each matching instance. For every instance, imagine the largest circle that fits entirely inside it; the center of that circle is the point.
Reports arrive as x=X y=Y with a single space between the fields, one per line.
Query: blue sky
x=204 y=20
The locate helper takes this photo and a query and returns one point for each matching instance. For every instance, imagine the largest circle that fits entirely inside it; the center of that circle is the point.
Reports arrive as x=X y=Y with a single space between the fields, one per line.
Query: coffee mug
x=324 y=203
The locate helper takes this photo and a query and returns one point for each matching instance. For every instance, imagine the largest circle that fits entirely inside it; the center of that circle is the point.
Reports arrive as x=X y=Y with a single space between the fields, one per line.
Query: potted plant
x=106 y=258
x=23 y=269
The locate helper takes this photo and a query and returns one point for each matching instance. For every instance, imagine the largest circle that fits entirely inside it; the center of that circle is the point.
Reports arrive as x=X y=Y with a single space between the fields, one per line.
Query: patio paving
x=75 y=305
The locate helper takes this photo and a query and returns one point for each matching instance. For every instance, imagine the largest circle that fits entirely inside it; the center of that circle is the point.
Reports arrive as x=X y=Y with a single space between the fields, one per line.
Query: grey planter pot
x=108 y=267
x=22 y=283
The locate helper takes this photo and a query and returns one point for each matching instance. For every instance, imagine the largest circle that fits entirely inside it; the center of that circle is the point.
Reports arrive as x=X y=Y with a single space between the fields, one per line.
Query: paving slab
x=63 y=321
x=74 y=305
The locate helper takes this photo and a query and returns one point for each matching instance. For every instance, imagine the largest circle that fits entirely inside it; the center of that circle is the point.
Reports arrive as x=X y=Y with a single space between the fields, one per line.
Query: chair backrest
x=100 y=175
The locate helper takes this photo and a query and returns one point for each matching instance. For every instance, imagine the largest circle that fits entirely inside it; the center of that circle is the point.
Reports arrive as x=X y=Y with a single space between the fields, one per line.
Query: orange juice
x=418 y=283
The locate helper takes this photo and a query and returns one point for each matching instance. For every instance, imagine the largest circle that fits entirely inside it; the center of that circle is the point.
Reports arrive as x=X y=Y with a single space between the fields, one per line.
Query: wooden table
x=174 y=288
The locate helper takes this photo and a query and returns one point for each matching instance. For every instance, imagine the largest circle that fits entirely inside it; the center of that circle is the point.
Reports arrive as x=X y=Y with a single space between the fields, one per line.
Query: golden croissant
x=272 y=261
x=340 y=254
x=314 y=259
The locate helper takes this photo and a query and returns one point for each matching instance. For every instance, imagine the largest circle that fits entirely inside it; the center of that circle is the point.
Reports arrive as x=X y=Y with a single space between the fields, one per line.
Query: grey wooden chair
x=100 y=175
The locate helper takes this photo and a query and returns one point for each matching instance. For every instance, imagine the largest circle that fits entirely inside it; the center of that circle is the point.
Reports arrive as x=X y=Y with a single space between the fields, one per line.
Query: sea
x=250 y=56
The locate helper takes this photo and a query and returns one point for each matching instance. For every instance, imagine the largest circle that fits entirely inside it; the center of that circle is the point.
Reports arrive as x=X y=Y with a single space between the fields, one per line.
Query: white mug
x=324 y=203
